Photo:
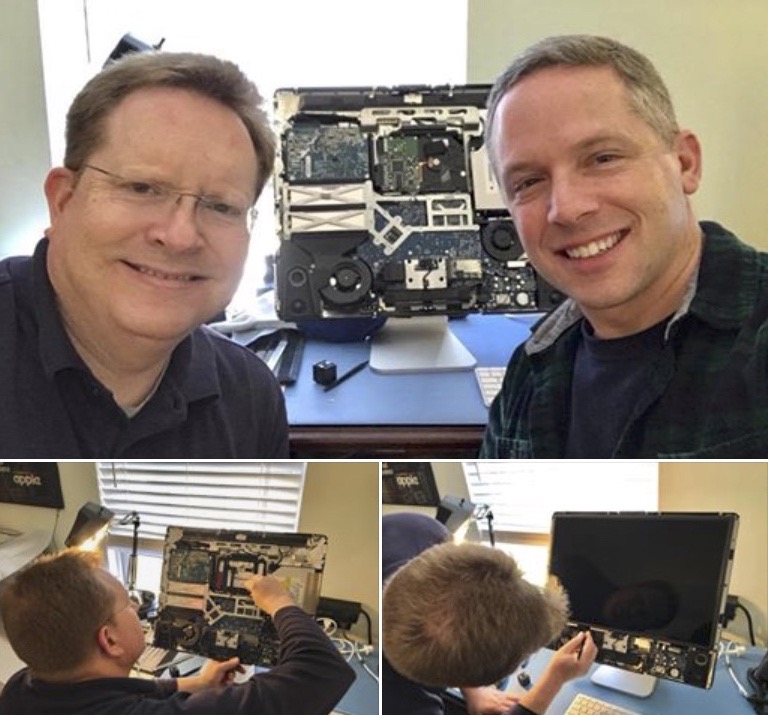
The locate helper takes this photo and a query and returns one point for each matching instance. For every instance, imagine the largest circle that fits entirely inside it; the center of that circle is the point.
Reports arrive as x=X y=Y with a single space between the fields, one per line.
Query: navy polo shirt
x=217 y=400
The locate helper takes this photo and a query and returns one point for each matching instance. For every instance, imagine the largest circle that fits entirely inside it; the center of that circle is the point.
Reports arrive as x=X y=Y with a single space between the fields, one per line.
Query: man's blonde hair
x=462 y=615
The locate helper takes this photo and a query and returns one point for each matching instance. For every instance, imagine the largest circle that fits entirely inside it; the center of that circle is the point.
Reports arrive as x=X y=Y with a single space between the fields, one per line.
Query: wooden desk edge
x=385 y=441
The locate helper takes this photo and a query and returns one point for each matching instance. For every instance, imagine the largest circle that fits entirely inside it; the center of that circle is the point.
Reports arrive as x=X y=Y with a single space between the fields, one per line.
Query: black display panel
x=650 y=586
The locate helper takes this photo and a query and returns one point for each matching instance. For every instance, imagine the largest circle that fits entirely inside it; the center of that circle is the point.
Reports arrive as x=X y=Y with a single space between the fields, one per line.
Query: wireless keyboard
x=154 y=659
x=489 y=381
x=587 y=705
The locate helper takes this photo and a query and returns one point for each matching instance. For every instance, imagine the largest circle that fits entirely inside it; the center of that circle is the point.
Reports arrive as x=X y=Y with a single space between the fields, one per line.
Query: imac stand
x=637 y=684
x=421 y=344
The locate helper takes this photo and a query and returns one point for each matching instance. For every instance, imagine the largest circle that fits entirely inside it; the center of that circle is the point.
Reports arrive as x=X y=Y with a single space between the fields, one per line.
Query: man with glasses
x=103 y=353
x=74 y=626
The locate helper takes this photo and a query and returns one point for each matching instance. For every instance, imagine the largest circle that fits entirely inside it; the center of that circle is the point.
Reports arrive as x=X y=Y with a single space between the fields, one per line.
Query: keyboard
x=587 y=705
x=489 y=381
x=154 y=659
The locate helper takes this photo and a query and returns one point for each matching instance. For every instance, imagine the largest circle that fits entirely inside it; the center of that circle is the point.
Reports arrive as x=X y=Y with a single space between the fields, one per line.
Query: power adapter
x=344 y=613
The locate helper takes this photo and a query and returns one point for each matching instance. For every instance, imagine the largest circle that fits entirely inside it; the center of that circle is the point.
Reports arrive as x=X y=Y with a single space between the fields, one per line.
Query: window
x=523 y=495
x=282 y=43
x=258 y=496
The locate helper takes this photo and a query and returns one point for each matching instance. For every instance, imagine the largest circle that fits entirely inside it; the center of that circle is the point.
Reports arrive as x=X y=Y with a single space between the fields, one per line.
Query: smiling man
x=103 y=353
x=659 y=350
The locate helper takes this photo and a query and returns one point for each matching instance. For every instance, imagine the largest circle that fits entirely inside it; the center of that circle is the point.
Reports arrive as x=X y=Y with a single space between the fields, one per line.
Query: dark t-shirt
x=609 y=376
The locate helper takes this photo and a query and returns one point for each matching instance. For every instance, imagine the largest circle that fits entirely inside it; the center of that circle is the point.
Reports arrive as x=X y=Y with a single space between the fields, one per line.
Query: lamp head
x=456 y=514
x=129 y=43
x=90 y=527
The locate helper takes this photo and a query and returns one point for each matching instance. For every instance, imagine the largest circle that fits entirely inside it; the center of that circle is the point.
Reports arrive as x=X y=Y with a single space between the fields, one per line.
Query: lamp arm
x=133 y=518
x=491 y=535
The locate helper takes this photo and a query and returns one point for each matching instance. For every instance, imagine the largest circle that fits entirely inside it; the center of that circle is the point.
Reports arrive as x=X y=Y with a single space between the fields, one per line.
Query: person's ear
x=108 y=644
x=688 y=151
x=59 y=187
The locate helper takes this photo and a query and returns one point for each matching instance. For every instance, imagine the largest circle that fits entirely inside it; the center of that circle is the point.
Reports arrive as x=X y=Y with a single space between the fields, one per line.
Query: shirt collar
x=56 y=350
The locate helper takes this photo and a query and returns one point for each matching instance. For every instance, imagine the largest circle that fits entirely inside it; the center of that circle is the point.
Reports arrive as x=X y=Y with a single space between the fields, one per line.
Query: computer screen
x=386 y=206
x=204 y=606
x=651 y=587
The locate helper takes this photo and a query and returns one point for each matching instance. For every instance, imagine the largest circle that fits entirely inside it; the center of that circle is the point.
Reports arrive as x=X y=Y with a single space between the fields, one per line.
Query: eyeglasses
x=212 y=214
x=130 y=603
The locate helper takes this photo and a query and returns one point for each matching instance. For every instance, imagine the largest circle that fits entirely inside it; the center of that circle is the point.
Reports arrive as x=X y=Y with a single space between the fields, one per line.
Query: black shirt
x=309 y=679
x=217 y=400
x=609 y=377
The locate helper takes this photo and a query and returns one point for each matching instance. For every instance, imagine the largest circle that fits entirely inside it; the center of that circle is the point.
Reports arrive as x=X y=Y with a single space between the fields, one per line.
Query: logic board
x=386 y=205
x=204 y=605
x=682 y=663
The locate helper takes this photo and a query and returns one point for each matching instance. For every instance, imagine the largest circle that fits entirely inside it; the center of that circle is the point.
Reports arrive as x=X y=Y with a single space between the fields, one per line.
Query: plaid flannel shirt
x=707 y=391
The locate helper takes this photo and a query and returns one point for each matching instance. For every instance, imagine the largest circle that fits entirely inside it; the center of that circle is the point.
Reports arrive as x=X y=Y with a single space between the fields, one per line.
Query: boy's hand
x=269 y=594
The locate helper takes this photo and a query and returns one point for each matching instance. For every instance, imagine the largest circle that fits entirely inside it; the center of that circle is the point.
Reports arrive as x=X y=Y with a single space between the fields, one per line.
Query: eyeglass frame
x=166 y=191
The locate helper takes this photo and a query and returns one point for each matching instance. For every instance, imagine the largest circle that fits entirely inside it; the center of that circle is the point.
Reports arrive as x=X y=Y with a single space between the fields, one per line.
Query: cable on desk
x=368 y=620
x=361 y=652
x=759 y=699
x=749 y=622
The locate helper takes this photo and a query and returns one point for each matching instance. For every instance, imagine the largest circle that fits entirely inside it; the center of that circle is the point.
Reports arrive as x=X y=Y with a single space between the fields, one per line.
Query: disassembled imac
x=204 y=605
x=386 y=206
x=651 y=588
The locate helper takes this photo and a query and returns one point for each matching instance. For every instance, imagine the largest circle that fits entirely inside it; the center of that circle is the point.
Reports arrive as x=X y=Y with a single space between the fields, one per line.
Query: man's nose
x=179 y=228
x=571 y=198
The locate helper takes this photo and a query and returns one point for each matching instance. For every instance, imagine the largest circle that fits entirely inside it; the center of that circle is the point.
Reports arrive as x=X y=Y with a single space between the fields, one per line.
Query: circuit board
x=204 y=603
x=386 y=205
x=679 y=662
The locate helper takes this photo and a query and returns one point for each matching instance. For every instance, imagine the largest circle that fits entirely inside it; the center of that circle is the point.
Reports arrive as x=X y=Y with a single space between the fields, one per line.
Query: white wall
x=729 y=487
x=712 y=56
x=341 y=500
x=24 y=152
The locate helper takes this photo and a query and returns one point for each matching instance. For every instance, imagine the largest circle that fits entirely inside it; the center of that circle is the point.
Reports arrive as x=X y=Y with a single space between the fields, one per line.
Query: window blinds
x=258 y=496
x=523 y=495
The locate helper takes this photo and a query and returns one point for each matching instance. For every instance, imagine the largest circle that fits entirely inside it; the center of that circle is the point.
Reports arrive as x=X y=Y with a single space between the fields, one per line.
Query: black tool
x=324 y=372
x=349 y=373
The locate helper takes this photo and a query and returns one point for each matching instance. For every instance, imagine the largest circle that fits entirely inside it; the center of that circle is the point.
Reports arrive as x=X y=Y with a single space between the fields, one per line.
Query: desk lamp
x=90 y=527
x=129 y=43
x=457 y=514
x=144 y=599
x=132 y=518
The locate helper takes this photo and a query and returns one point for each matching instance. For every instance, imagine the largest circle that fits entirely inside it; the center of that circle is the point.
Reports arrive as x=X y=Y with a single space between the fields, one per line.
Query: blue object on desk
x=363 y=697
x=341 y=330
x=439 y=398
